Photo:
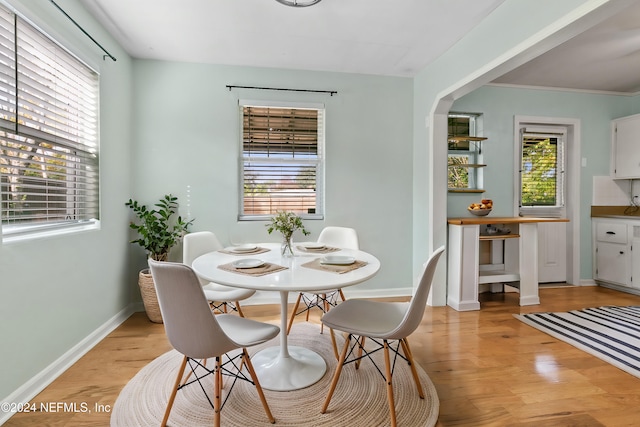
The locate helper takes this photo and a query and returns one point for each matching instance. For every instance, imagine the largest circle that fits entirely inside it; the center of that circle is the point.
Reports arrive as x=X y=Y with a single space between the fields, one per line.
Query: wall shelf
x=466 y=190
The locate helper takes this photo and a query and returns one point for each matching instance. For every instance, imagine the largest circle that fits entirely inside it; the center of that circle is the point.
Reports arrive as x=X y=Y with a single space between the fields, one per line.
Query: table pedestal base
x=300 y=369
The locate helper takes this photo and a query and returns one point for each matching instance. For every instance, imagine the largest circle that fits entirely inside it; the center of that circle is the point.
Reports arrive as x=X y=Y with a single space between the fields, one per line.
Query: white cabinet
x=613 y=251
x=625 y=150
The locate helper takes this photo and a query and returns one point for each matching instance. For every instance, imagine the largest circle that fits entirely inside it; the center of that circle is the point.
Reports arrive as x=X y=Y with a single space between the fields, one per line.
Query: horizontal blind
x=540 y=175
x=49 y=132
x=281 y=156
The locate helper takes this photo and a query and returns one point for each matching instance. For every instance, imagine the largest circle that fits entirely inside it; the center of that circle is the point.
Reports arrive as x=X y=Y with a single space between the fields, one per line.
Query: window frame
x=319 y=162
x=560 y=134
x=475 y=175
x=59 y=126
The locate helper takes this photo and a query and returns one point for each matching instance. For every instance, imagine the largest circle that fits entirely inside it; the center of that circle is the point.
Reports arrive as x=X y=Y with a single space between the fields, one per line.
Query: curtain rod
x=330 y=92
x=86 y=34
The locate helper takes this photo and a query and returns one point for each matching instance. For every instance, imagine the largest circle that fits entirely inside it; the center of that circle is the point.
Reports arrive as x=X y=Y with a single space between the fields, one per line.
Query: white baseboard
x=588 y=282
x=39 y=382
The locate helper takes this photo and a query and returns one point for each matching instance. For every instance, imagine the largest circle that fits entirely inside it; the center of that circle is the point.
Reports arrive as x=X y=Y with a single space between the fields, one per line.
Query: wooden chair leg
x=334 y=344
x=172 y=397
x=293 y=313
x=336 y=375
x=217 y=392
x=387 y=363
x=249 y=365
x=414 y=372
x=341 y=295
x=240 y=313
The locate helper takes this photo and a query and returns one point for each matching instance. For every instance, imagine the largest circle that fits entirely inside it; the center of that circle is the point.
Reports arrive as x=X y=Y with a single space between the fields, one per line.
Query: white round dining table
x=285 y=367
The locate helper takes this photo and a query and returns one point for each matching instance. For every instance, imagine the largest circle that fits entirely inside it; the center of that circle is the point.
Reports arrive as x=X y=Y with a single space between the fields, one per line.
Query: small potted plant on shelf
x=286 y=223
x=158 y=232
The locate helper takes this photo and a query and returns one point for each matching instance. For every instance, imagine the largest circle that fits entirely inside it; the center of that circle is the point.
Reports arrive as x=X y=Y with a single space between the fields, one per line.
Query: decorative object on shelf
x=286 y=223
x=298 y=3
x=481 y=209
x=158 y=233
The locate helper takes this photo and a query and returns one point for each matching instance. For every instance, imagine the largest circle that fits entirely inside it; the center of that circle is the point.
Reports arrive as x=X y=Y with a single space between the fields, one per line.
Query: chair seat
x=366 y=318
x=246 y=332
x=218 y=292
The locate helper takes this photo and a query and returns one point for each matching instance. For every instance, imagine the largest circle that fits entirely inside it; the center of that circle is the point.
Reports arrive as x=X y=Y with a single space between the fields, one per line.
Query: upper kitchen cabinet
x=625 y=149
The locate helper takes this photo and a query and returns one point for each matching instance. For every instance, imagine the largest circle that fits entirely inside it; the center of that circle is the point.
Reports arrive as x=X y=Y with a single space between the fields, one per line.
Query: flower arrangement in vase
x=286 y=223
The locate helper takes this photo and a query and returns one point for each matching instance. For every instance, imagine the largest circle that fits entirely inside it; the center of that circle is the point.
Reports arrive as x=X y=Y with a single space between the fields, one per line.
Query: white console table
x=520 y=263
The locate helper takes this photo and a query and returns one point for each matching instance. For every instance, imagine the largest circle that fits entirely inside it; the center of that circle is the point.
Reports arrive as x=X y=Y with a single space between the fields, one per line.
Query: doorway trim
x=573 y=169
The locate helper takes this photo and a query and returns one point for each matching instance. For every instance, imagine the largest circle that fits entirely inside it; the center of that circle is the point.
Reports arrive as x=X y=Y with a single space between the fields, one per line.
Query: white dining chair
x=198 y=334
x=385 y=324
x=339 y=237
x=220 y=297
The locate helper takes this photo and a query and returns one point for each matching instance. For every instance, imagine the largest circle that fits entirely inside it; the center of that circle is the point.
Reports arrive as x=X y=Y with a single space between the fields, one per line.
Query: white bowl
x=480 y=212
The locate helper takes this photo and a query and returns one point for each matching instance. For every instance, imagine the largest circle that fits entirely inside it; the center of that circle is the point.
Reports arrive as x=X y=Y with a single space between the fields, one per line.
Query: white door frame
x=572 y=175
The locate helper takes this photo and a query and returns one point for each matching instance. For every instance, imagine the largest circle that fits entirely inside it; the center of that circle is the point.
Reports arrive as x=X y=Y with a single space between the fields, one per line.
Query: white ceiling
x=604 y=58
x=380 y=37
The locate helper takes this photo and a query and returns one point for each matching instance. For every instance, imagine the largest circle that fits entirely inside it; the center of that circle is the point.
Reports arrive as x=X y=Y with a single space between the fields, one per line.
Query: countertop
x=501 y=220
x=620 y=212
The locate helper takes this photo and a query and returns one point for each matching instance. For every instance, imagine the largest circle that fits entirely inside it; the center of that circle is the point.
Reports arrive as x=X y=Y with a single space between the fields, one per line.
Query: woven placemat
x=258 y=250
x=266 y=268
x=334 y=268
x=323 y=250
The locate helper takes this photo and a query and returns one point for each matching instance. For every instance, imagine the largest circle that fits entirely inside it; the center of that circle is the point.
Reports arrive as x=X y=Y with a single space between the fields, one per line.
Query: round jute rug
x=359 y=399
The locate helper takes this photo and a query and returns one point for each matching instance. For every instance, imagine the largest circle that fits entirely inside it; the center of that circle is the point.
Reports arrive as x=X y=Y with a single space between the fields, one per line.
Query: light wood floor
x=489 y=368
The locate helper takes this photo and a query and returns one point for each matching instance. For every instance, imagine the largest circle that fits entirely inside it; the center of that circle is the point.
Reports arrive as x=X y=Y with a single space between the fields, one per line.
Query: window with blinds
x=48 y=132
x=282 y=163
x=542 y=172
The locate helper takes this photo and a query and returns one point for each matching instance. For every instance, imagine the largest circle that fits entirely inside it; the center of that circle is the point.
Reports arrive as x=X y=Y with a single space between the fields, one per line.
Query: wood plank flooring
x=489 y=368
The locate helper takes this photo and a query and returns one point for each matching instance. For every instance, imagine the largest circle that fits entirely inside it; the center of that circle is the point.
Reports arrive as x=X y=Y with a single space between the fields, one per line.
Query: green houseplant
x=286 y=223
x=158 y=231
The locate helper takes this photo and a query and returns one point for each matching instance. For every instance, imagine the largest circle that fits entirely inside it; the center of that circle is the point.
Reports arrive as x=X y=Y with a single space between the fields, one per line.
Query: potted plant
x=286 y=223
x=158 y=232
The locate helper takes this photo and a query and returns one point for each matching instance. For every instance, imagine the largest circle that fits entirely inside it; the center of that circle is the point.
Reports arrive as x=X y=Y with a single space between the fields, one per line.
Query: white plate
x=248 y=263
x=337 y=260
x=313 y=245
x=244 y=248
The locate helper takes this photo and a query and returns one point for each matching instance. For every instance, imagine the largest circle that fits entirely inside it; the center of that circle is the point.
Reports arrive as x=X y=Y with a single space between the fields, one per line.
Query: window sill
x=43 y=234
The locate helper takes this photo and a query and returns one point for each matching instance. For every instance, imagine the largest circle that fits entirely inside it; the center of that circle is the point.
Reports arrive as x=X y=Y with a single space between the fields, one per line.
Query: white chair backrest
x=191 y=326
x=196 y=244
x=341 y=237
x=415 y=312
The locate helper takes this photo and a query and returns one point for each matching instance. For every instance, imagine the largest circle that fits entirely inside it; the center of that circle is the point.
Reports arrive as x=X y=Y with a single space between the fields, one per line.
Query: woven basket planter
x=149 y=298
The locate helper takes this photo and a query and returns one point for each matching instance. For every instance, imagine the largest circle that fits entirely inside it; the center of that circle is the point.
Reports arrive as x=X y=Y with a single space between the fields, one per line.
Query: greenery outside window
x=282 y=159
x=542 y=172
x=48 y=133
x=464 y=155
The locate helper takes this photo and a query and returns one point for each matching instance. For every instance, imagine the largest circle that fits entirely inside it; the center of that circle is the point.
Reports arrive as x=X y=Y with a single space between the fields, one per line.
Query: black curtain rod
x=330 y=92
x=85 y=33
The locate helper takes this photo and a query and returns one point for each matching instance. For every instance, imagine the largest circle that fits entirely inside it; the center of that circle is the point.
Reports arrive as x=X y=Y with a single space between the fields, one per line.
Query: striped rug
x=610 y=333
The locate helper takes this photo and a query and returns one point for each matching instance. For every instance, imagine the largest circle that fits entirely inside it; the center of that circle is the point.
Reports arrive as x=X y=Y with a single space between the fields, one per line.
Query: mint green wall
x=499 y=105
x=55 y=292
x=187 y=133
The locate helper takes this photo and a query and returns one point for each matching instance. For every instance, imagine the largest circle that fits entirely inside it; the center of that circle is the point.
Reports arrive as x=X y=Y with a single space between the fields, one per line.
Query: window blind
x=282 y=158
x=48 y=132
x=541 y=171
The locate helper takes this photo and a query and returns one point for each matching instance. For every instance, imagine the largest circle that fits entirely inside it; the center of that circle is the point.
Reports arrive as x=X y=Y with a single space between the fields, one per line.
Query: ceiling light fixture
x=298 y=3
